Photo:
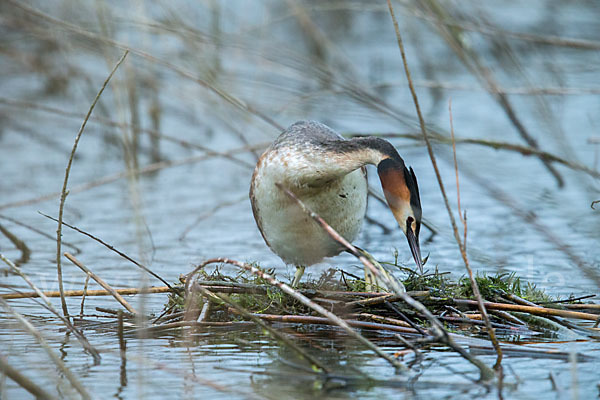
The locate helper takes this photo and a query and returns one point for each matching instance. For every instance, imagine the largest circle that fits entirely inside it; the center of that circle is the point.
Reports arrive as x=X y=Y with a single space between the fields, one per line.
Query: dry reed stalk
x=102 y=283
x=583 y=306
x=442 y=189
x=534 y=310
x=205 y=312
x=82 y=339
x=85 y=288
x=380 y=318
x=63 y=195
x=51 y=354
x=307 y=302
x=77 y=293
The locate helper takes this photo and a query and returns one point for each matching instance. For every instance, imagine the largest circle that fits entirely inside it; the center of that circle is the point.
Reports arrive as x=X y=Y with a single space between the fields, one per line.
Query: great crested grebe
x=327 y=172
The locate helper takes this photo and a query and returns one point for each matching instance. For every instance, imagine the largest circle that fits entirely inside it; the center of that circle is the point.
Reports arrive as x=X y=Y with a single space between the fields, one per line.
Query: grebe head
x=402 y=194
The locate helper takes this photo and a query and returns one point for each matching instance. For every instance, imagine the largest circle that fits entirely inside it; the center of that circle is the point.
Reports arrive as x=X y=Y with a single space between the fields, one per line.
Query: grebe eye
x=409 y=222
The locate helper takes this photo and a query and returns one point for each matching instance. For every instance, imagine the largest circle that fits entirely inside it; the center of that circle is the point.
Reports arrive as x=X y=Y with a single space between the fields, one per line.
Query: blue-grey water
x=336 y=62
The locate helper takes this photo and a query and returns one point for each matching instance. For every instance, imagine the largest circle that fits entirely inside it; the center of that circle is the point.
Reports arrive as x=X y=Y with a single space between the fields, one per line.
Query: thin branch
x=491 y=331
x=84 y=292
x=63 y=195
x=40 y=232
x=109 y=246
x=102 y=283
x=537 y=310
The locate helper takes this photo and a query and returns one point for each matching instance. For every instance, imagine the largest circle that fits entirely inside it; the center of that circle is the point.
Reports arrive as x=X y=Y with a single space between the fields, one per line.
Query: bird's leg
x=298 y=275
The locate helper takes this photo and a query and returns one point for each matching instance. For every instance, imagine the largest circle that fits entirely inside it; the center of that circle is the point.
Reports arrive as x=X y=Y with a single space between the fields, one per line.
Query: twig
x=23 y=381
x=77 y=293
x=542 y=311
x=40 y=339
x=594 y=203
x=109 y=246
x=115 y=312
x=405 y=318
x=519 y=300
x=456 y=170
x=82 y=339
x=441 y=185
x=381 y=318
x=102 y=283
x=40 y=232
x=85 y=288
x=587 y=296
x=63 y=195
x=463 y=251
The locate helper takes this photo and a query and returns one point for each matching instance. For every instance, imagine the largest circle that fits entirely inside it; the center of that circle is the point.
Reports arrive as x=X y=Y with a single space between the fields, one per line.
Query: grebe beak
x=413 y=243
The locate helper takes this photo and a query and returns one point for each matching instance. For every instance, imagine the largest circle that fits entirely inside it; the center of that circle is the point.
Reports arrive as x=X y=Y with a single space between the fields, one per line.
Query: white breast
x=288 y=231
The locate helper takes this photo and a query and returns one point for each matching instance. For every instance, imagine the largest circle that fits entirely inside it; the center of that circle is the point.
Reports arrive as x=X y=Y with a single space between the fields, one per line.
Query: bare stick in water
x=102 y=283
x=490 y=329
x=63 y=195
